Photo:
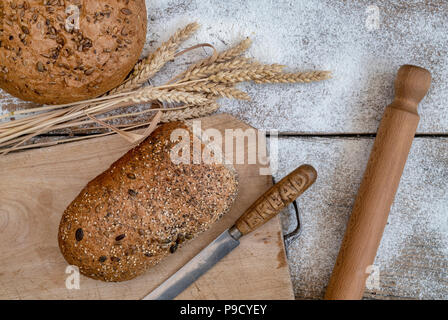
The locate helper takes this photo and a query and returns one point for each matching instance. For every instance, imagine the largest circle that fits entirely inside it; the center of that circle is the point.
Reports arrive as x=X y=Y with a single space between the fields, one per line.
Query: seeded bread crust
x=143 y=208
x=44 y=60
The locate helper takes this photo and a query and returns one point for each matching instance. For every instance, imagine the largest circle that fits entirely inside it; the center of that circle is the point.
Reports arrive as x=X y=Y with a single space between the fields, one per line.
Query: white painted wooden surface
x=323 y=34
x=413 y=256
x=333 y=35
x=319 y=34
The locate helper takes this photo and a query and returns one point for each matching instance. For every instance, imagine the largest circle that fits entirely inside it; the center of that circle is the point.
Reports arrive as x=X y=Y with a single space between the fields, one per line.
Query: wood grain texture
x=276 y=199
x=379 y=186
x=364 y=61
x=35 y=188
x=413 y=254
x=412 y=257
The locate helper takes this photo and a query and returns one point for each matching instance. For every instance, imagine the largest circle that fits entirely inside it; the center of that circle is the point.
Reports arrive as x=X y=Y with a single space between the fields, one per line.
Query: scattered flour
x=332 y=35
x=413 y=256
x=318 y=34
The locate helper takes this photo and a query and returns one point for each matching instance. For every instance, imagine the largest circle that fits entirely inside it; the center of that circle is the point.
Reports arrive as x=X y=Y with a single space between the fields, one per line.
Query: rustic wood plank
x=309 y=34
x=413 y=256
x=37 y=185
x=364 y=63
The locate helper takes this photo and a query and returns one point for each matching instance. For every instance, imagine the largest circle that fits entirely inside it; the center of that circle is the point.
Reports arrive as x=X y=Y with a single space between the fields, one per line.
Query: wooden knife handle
x=379 y=185
x=276 y=199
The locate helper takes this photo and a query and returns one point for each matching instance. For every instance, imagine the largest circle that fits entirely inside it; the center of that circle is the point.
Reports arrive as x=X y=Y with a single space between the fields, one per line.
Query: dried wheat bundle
x=191 y=94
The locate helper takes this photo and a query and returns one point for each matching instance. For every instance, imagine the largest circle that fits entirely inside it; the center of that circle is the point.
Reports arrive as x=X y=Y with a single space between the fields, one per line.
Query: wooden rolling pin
x=379 y=185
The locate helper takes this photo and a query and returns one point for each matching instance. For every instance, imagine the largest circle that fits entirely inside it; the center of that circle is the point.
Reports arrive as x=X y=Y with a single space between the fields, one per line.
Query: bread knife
x=264 y=209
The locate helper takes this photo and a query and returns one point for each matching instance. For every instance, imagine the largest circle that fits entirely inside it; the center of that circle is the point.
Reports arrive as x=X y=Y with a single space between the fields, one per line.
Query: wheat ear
x=205 y=71
x=234 y=51
x=190 y=112
x=172 y=44
x=148 y=67
x=255 y=72
x=149 y=94
x=216 y=90
x=224 y=56
x=299 y=77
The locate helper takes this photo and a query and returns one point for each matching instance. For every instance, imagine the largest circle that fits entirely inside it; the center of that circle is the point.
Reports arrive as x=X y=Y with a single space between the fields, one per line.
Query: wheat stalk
x=220 y=57
x=217 y=90
x=194 y=91
x=299 y=77
x=168 y=116
x=151 y=94
x=171 y=45
x=190 y=113
x=255 y=72
x=147 y=68
x=205 y=71
x=235 y=51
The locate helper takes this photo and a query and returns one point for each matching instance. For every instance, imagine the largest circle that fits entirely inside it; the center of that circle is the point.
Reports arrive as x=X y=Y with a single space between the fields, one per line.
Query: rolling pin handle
x=379 y=185
x=411 y=85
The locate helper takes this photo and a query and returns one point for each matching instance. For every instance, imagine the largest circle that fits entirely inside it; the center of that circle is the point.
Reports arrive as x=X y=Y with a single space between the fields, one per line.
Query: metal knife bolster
x=235 y=233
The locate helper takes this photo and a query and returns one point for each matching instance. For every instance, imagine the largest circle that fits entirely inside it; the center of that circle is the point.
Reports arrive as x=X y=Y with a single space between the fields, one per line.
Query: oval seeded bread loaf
x=142 y=209
x=44 y=58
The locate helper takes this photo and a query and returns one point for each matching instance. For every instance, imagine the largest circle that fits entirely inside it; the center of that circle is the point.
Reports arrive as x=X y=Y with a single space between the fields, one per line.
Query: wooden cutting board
x=36 y=186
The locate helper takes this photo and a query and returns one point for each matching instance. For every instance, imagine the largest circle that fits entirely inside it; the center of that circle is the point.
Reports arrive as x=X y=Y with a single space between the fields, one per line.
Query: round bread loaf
x=61 y=51
x=143 y=208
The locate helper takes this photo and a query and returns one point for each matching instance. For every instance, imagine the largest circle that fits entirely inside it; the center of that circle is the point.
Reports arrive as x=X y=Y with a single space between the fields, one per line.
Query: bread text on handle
x=276 y=199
